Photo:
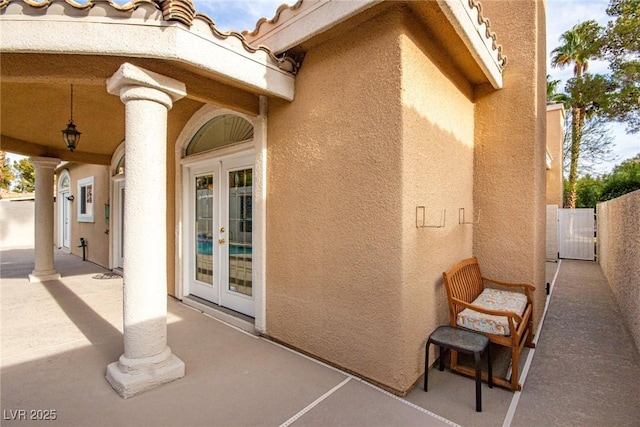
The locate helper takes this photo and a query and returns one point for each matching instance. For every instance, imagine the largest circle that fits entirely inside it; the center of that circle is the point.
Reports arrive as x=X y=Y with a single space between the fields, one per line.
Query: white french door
x=218 y=239
x=118 y=207
x=65 y=220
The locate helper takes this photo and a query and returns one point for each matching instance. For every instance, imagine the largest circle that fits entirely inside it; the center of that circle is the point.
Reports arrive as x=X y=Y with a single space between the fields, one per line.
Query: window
x=220 y=132
x=85 y=199
x=119 y=167
x=64 y=182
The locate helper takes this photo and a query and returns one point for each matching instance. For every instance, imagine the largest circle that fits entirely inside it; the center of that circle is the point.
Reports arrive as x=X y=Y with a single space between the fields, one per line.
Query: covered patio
x=58 y=336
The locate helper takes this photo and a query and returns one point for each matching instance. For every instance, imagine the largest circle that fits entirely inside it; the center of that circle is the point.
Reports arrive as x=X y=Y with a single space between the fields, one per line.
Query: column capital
x=130 y=77
x=44 y=162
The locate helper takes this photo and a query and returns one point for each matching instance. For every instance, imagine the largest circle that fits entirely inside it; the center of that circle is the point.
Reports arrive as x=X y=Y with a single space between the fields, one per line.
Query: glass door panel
x=240 y=231
x=66 y=221
x=120 y=220
x=204 y=228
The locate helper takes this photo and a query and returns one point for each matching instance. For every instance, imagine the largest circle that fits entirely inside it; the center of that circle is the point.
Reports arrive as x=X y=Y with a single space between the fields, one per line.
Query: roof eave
x=90 y=32
x=307 y=20
x=466 y=18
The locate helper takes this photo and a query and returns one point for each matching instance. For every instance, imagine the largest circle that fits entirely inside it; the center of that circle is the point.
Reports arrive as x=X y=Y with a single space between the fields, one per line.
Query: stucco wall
x=437 y=171
x=510 y=152
x=375 y=130
x=619 y=254
x=17 y=224
x=555 y=138
x=97 y=250
x=334 y=202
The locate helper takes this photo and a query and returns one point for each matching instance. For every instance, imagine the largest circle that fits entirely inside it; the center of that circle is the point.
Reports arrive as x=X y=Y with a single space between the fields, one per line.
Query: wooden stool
x=448 y=337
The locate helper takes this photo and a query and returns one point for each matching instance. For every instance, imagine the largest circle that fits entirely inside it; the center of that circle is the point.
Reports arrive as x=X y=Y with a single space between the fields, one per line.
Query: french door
x=65 y=219
x=218 y=241
x=118 y=240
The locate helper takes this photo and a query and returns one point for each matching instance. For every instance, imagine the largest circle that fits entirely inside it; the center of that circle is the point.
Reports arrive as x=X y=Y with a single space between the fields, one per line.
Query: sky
x=561 y=16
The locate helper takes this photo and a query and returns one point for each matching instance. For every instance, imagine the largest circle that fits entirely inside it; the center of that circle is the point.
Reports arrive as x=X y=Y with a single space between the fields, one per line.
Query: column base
x=129 y=377
x=43 y=276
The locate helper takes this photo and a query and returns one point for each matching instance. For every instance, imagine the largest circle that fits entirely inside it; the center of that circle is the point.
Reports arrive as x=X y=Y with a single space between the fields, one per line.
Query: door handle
x=221 y=241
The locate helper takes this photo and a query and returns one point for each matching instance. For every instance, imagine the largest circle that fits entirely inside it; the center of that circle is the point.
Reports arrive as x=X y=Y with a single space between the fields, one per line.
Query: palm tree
x=553 y=96
x=579 y=45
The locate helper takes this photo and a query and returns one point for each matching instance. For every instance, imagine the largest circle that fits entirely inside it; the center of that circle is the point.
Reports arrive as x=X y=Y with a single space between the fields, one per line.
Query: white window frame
x=89 y=196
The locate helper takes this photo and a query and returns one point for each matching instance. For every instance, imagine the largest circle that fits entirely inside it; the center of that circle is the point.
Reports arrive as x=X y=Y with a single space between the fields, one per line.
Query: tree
x=621 y=47
x=553 y=96
x=595 y=147
x=589 y=191
x=6 y=177
x=25 y=175
x=624 y=179
x=579 y=45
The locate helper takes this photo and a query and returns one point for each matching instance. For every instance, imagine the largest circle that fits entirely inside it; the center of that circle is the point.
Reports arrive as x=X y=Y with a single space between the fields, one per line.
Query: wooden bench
x=502 y=312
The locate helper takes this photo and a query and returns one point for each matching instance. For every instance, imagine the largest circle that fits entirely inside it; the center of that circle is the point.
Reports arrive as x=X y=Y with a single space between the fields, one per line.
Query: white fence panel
x=576 y=233
x=552 y=233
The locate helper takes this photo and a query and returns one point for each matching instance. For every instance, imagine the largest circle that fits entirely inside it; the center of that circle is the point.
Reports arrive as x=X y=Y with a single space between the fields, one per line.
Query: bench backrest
x=464 y=282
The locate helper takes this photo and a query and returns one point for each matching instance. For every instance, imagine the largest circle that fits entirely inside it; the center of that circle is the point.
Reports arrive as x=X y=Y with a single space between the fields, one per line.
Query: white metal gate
x=576 y=233
x=552 y=233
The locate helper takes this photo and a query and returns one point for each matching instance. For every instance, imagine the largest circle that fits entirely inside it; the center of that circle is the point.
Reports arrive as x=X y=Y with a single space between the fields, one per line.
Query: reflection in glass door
x=240 y=231
x=203 y=272
x=204 y=228
x=118 y=231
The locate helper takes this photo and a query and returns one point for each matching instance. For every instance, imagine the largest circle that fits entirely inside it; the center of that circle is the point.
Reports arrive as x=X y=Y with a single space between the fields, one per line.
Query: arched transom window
x=119 y=169
x=219 y=132
x=64 y=182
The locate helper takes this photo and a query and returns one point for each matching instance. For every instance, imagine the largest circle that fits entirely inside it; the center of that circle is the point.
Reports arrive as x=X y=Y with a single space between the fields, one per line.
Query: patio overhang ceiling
x=458 y=25
x=47 y=45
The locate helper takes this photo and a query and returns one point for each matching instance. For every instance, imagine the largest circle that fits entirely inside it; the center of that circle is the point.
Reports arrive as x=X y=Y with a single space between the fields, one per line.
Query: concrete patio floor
x=59 y=336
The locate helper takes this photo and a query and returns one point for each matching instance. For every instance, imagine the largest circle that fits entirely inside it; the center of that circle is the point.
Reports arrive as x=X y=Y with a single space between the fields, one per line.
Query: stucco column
x=147 y=360
x=44 y=269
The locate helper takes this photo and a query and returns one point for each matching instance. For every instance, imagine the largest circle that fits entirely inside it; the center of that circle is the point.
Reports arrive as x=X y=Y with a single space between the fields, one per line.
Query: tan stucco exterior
x=618 y=254
x=555 y=139
x=437 y=173
x=94 y=232
x=334 y=204
x=399 y=108
x=348 y=271
x=509 y=181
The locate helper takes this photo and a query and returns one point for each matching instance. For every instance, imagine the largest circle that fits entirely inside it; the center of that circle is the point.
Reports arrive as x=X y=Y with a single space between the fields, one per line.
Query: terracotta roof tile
x=182 y=11
x=502 y=59
x=273 y=20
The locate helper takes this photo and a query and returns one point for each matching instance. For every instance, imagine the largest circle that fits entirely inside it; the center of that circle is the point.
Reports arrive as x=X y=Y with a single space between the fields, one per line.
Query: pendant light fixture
x=71 y=135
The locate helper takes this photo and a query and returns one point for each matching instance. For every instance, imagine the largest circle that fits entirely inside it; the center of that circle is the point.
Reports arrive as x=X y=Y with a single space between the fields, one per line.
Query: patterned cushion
x=492 y=299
